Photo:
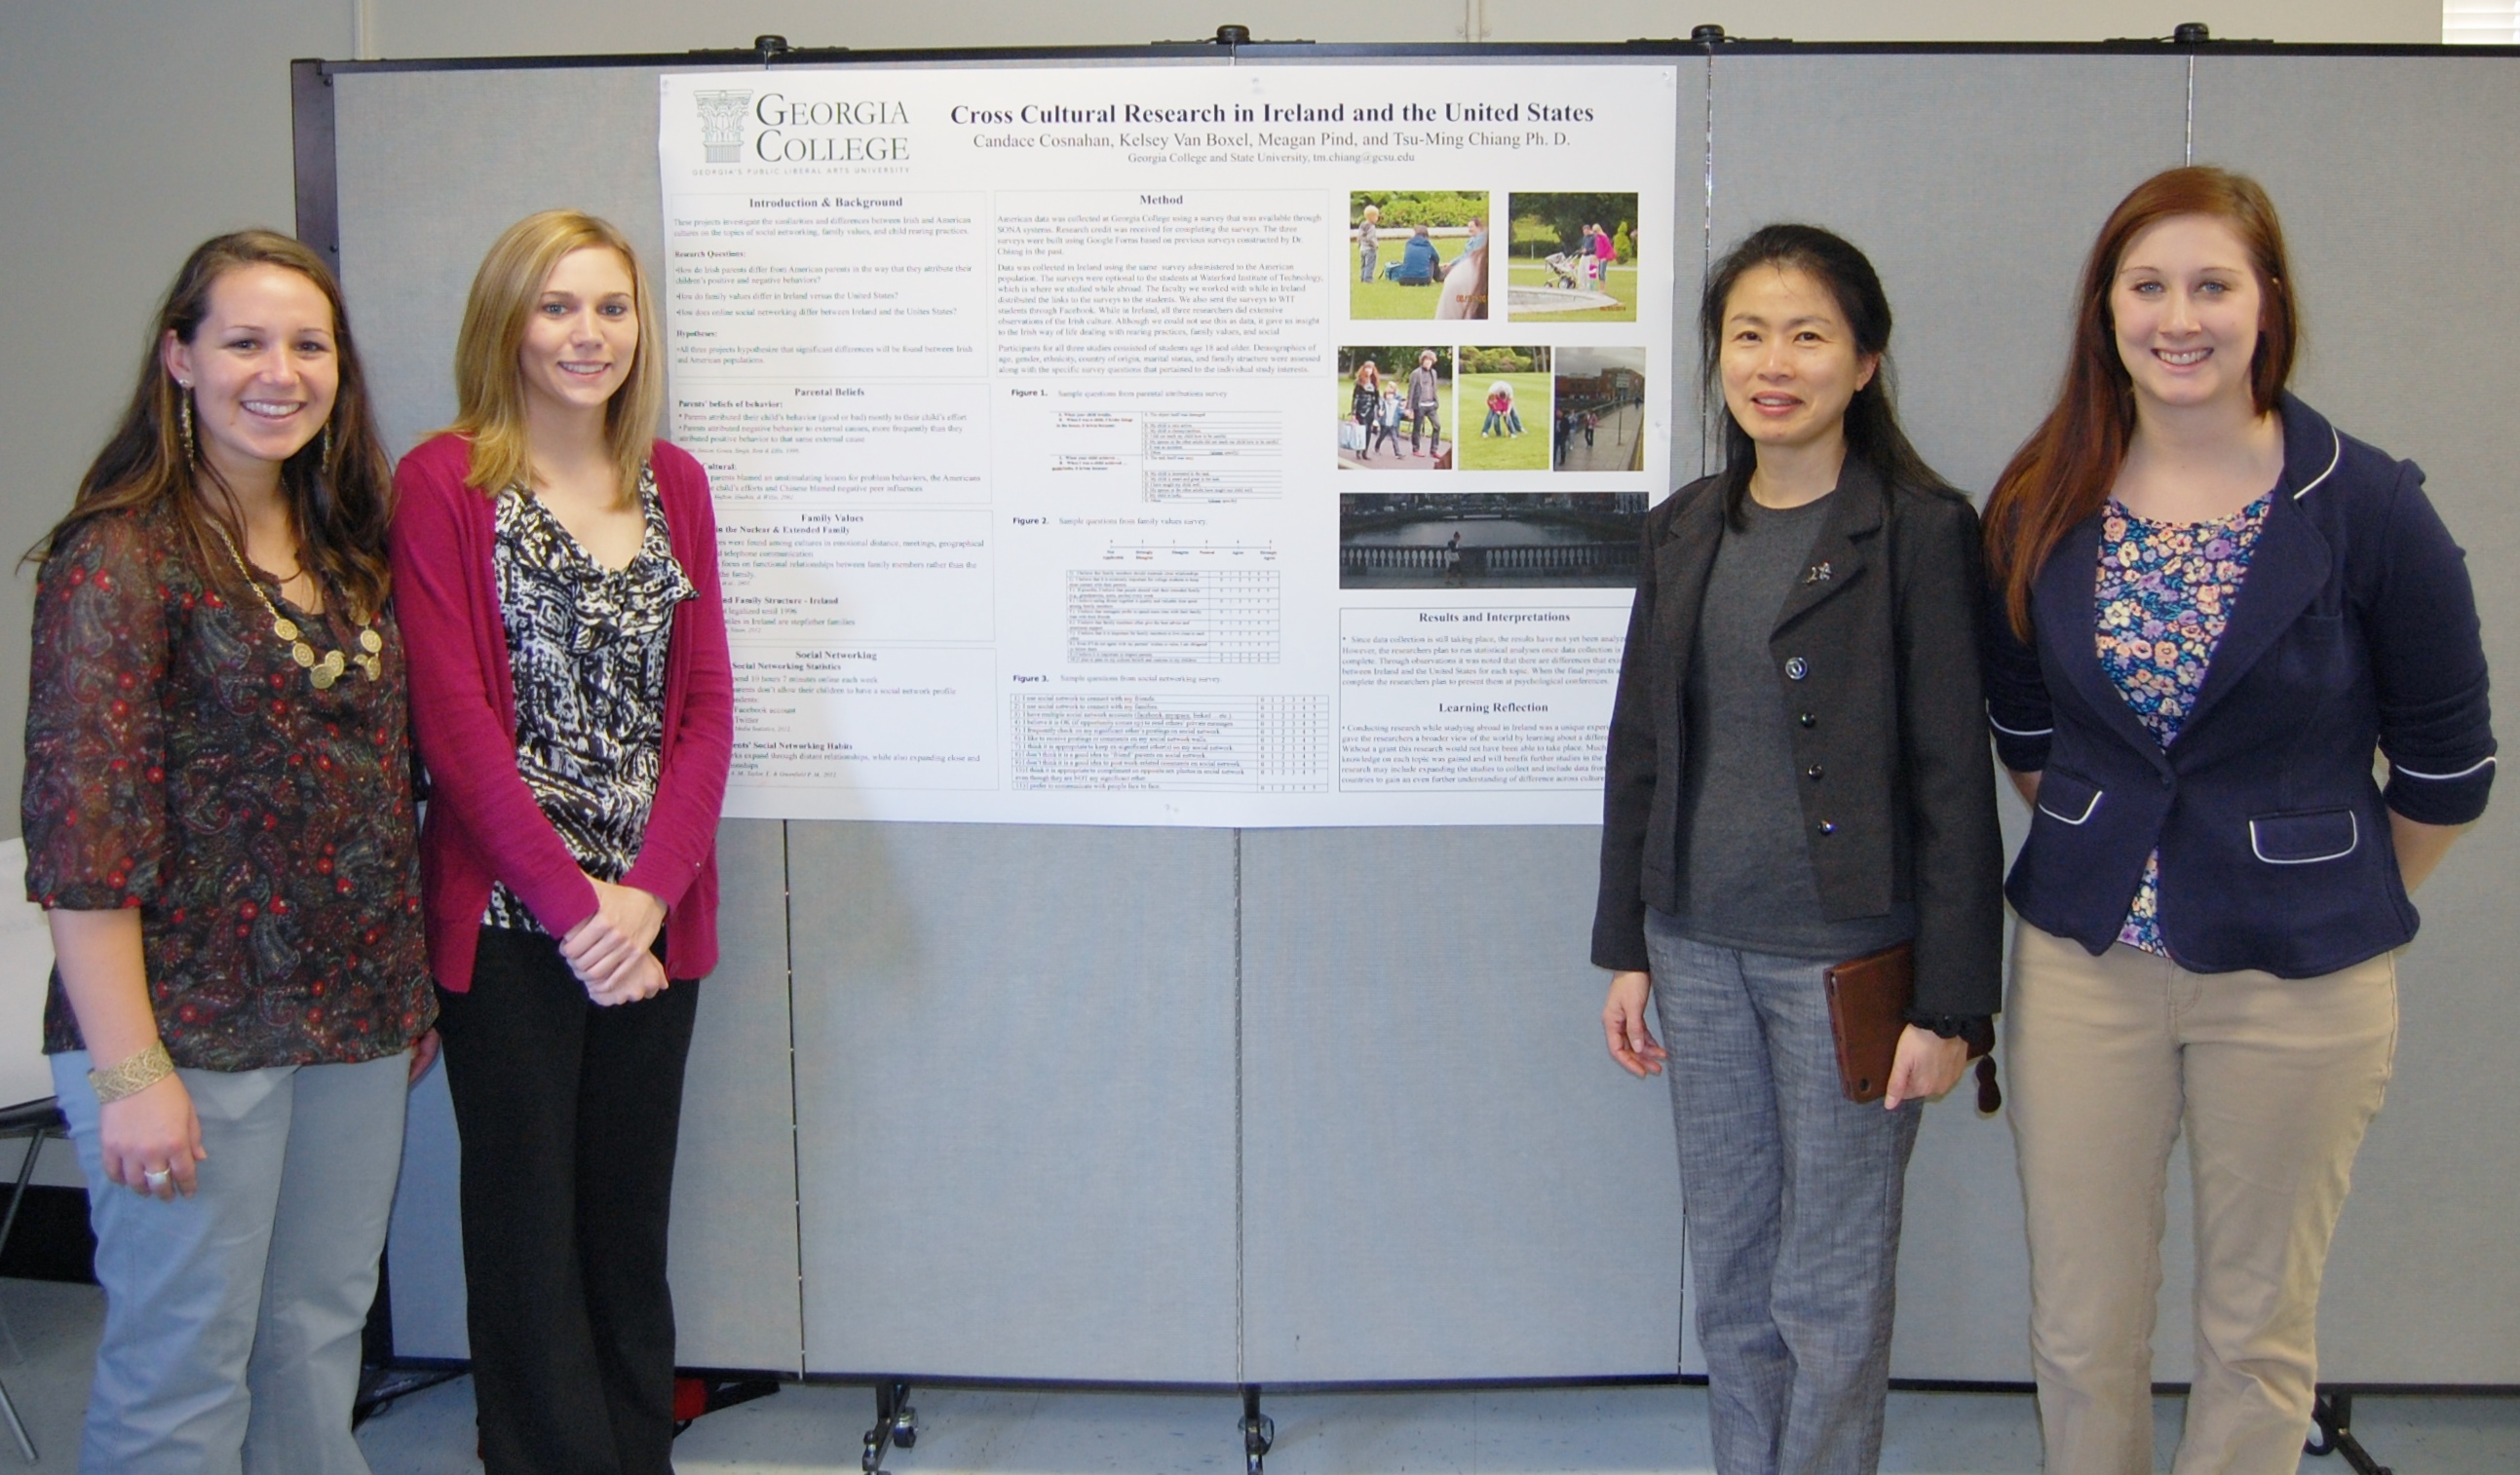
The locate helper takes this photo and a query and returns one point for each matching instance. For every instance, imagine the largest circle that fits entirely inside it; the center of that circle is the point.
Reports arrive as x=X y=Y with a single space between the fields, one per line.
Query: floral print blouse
x=178 y=761
x=2165 y=592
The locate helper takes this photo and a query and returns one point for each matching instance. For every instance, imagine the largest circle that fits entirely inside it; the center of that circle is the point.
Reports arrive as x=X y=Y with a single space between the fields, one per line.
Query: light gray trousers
x=233 y=1317
x=1792 y=1195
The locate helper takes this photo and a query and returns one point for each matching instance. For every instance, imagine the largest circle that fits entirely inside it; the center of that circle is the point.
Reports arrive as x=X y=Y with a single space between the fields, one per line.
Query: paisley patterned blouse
x=179 y=762
x=587 y=645
x=2165 y=592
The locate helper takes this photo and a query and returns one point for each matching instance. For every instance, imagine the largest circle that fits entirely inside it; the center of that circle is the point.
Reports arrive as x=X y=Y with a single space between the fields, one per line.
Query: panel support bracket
x=2333 y=1415
x=1259 y=1430
x=896 y=1424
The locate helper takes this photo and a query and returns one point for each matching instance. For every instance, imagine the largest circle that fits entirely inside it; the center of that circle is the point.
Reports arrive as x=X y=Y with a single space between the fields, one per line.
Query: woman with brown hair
x=572 y=695
x=2209 y=607
x=1365 y=402
x=219 y=822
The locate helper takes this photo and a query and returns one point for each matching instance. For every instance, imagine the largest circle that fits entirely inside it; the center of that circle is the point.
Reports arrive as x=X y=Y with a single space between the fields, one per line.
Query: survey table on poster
x=1231 y=445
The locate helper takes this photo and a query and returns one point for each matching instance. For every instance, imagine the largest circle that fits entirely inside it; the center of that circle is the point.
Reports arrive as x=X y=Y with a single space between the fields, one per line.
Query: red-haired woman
x=2209 y=607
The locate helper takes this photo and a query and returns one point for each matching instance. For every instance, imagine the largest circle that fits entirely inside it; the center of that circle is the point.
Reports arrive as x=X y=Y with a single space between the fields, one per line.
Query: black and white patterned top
x=587 y=645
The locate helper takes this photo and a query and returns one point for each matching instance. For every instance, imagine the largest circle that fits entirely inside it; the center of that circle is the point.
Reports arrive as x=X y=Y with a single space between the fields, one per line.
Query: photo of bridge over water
x=1490 y=540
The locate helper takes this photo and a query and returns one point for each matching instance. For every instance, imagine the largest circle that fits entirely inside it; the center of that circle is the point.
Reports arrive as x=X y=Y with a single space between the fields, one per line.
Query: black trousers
x=568 y=1115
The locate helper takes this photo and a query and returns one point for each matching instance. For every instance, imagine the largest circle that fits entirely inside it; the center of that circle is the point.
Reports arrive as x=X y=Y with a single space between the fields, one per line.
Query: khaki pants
x=2274 y=1081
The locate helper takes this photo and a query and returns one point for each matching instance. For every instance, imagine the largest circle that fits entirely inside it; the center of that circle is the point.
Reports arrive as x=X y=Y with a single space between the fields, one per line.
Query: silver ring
x=157 y=1177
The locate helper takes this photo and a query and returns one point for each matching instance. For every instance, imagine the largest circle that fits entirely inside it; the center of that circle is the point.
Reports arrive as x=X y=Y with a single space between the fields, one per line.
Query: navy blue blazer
x=2356 y=628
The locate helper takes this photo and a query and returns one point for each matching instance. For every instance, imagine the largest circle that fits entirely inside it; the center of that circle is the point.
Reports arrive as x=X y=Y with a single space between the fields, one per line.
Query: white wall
x=135 y=128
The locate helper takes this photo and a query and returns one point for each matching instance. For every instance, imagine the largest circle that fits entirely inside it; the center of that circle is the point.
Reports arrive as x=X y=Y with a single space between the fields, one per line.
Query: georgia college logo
x=721 y=124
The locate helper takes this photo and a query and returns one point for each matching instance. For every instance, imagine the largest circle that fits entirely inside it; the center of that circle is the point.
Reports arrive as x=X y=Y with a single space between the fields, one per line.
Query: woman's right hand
x=1623 y=1025
x=152 y=1130
x=645 y=978
x=104 y=970
x=604 y=951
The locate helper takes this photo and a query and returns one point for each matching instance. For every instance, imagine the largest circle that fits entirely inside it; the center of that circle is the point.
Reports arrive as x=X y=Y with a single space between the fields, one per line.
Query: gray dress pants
x=1792 y=1196
x=233 y=1317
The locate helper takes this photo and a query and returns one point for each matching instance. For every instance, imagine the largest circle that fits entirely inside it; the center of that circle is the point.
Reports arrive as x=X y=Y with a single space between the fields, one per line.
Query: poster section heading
x=1173 y=444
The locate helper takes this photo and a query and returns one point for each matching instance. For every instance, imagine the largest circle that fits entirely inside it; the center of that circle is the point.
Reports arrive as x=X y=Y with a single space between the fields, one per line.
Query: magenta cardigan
x=482 y=822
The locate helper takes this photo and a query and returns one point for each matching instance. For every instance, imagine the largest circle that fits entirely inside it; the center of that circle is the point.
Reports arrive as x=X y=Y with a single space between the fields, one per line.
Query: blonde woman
x=219 y=825
x=572 y=701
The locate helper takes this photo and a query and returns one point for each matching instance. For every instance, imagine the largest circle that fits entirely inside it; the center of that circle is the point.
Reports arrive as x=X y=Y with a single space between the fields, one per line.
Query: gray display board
x=1200 y=1106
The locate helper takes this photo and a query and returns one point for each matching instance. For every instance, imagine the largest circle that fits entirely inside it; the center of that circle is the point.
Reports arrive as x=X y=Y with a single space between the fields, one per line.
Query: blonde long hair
x=489 y=384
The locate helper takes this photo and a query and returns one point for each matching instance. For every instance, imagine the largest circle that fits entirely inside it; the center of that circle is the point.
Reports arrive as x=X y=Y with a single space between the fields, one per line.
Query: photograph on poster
x=1490 y=540
x=1572 y=258
x=1395 y=407
x=1600 y=424
x=1507 y=390
x=1418 y=253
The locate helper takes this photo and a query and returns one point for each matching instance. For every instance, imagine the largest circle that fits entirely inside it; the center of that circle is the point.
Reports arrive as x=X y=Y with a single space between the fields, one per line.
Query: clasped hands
x=610 y=951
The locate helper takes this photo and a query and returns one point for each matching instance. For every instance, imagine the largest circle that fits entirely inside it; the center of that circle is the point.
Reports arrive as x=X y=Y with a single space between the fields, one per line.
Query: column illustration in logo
x=721 y=124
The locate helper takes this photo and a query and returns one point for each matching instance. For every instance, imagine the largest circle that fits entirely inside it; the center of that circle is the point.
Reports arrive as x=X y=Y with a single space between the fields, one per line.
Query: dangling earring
x=184 y=419
x=325 y=462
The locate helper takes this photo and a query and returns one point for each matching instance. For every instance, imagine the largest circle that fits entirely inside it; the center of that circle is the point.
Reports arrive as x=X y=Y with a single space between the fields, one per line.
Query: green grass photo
x=1402 y=243
x=1524 y=375
x=1571 y=258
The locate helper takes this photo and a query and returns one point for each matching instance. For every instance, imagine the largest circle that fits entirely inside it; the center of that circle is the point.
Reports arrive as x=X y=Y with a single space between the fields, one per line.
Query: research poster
x=1173 y=445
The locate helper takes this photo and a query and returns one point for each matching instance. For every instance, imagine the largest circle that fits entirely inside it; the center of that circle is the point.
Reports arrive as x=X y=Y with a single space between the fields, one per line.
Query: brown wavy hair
x=489 y=384
x=338 y=507
x=2062 y=474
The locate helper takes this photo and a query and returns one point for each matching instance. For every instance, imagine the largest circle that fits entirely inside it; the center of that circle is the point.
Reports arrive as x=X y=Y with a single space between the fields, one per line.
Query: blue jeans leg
x=1792 y=1196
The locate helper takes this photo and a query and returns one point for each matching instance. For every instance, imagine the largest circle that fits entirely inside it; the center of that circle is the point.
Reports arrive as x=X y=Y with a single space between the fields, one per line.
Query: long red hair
x=2062 y=474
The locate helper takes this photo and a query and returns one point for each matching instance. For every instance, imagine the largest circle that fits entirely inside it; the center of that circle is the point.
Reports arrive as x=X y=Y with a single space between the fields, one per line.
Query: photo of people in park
x=1419 y=253
x=1490 y=540
x=1600 y=405
x=1395 y=407
x=1507 y=390
x=1572 y=258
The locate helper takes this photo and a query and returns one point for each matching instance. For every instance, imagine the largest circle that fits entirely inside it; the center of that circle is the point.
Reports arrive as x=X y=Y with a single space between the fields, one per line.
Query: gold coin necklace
x=323 y=673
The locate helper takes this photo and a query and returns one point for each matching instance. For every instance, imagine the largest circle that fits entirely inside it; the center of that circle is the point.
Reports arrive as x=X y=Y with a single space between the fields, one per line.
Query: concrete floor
x=47 y=1340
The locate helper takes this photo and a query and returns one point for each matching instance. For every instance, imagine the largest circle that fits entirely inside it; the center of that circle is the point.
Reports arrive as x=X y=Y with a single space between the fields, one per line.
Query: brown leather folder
x=1867 y=1011
x=1868 y=1006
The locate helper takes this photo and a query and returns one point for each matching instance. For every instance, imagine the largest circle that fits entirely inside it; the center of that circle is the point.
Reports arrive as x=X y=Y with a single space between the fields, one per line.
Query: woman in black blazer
x=1795 y=778
x=2209 y=608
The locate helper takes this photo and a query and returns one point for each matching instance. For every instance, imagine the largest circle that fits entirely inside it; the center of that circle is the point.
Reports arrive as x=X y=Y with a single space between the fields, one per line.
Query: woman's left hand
x=1926 y=1067
x=424 y=1055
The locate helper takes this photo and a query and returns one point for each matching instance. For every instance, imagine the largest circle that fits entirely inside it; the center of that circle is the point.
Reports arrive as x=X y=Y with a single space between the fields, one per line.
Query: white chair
x=25 y=969
x=36 y=1122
